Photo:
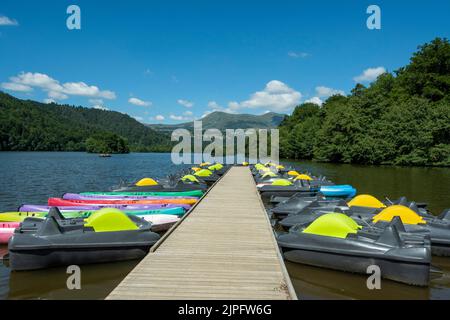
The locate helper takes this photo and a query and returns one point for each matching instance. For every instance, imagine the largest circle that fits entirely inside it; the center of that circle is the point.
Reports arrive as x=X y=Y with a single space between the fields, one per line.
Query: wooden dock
x=223 y=249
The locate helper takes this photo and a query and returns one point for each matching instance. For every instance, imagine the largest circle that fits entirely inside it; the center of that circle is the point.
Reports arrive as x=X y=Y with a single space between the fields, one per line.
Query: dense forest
x=106 y=143
x=32 y=126
x=401 y=118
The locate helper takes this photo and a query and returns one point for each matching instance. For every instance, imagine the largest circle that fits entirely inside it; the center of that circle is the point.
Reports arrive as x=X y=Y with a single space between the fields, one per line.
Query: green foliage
x=32 y=126
x=106 y=143
x=402 y=119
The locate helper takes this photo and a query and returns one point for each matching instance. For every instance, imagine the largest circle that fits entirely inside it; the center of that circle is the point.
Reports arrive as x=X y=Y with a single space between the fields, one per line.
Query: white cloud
x=139 y=102
x=159 y=117
x=276 y=96
x=233 y=106
x=11 y=86
x=187 y=116
x=57 y=95
x=5 y=21
x=82 y=89
x=325 y=92
x=49 y=101
x=176 y=118
x=185 y=103
x=96 y=101
x=100 y=107
x=370 y=74
x=214 y=105
x=297 y=55
x=315 y=100
x=37 y=79
x=54 y=88
x=138 y=118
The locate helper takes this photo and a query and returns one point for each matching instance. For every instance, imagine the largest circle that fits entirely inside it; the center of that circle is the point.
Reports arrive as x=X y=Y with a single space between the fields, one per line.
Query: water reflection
x=97 y=281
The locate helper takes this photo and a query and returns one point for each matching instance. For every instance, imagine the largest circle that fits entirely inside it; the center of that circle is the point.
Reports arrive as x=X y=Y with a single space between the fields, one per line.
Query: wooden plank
x=224 y=248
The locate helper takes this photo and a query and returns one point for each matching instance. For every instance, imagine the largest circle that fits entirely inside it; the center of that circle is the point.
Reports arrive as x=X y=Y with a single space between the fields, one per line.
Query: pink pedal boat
x=7 y=230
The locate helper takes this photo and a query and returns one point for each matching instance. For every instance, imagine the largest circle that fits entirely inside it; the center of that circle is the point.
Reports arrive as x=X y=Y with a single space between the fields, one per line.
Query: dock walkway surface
x=222 y=249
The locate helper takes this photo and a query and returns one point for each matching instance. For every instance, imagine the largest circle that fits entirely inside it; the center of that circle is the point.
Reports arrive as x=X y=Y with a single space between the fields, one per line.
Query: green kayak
x=192 y=193
x=20 y=216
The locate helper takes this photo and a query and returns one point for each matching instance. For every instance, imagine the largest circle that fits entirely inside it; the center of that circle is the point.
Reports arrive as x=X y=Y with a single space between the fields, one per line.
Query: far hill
x=27 y=125
x=222 y=120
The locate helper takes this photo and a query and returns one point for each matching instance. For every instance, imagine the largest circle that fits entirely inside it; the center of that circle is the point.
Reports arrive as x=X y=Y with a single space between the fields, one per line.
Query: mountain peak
x=223 y=120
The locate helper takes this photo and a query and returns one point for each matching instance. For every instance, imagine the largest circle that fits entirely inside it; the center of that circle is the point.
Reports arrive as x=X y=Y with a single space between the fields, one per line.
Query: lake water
x=28 y=177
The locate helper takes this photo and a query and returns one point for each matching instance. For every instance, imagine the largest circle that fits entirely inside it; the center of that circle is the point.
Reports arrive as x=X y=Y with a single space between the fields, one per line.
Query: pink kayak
x=7 y=230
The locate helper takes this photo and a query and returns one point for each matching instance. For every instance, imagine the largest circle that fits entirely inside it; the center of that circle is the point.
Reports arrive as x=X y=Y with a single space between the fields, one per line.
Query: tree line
x=27 y=125
x=402 y=118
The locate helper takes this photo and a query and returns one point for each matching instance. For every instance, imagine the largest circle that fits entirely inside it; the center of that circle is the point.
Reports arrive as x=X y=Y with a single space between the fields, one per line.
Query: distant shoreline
x=281 y=159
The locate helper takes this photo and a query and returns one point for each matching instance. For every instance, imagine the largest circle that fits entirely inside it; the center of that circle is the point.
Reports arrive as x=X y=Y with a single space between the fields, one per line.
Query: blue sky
x=171 y=61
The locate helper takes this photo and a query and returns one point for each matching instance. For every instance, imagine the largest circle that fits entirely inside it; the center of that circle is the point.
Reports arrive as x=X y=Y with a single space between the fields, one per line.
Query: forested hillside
x=32 y=126
x=402 y=118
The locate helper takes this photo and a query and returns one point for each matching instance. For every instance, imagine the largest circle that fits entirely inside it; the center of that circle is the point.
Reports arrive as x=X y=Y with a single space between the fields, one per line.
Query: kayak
x=106 y=236
x=193 y=193
x=7 y=230
x=76 y=196
x=336 y=241
x=341 y=191
x=62 y=202
x=69 y=214
x=87 y=207
x=20 y=216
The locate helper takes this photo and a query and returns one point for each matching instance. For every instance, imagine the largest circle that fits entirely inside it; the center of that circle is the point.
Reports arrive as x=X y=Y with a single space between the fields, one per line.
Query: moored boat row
x=329 y=226
x=102 y=226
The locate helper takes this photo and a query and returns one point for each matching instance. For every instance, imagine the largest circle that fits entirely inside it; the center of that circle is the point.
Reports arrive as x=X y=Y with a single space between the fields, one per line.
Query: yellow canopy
x=269 y=174
x=366 y=200
x=189 y=177
x=336 y=225
x=282 y=182
x=407 y=215
x=303 y=177
x=203 y=173
x=146 y=182
x=260 y=166
x=204 y=164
